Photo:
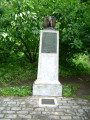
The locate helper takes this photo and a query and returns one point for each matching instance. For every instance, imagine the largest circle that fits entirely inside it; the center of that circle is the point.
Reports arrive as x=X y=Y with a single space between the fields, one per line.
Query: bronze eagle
x=49 y=22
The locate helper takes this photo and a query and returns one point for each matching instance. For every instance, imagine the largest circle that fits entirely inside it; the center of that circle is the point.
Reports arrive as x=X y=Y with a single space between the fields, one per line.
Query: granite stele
x=47 y=83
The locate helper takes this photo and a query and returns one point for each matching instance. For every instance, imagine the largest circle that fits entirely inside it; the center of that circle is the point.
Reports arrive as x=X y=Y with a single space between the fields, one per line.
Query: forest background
x=20 y=25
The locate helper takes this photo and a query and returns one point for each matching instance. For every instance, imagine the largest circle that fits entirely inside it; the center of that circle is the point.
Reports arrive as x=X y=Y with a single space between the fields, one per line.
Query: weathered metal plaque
x=48 y=101
x=49 y=42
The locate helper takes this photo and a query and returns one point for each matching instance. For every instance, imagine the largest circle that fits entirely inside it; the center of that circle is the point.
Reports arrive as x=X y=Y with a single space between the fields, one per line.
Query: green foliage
x=81 y=62
x=66 y=71
x=16 y=91
x=20 y=23
x=77 y=65
x=17 y=71
x=69 y=90
x=22 y=20
x=21 y=33
x=73 y=18
x=87 y=97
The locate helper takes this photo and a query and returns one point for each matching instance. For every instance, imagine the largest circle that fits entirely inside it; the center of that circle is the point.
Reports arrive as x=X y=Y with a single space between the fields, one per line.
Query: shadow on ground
x=83 y=82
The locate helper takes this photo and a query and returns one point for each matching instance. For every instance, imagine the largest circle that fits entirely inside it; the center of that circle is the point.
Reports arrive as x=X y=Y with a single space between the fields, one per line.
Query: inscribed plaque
x=48 y=101
x=49 y=42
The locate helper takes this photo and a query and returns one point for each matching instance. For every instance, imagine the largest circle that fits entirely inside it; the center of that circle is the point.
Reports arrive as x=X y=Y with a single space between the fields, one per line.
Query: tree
x=22 y=29
x=23 y=19
x=73 y=19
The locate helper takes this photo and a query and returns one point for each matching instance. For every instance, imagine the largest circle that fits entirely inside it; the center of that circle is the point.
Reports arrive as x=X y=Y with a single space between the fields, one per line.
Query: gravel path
x=28 y=108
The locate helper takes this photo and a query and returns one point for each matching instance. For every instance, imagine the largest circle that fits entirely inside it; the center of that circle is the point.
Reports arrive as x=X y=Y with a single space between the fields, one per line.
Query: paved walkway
x=27 y=108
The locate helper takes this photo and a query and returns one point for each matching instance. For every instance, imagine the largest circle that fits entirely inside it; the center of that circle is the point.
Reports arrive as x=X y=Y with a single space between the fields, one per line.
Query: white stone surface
x=47 y=83
x=47 y=89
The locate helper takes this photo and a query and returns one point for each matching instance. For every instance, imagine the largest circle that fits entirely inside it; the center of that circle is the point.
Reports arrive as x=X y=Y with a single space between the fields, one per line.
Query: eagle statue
x=49 y=22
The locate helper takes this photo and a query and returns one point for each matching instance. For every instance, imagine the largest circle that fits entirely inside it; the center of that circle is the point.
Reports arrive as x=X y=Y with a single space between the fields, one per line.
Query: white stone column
x=47 y=83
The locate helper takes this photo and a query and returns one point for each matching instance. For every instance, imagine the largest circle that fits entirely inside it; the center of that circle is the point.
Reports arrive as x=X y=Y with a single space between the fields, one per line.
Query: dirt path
x=83 y=82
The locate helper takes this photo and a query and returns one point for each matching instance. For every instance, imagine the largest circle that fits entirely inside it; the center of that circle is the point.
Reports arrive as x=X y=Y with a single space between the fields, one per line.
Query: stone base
x=46 y=89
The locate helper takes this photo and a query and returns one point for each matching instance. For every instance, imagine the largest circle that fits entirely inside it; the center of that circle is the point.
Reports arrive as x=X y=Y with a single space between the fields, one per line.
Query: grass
x=69 y=90
x=87 y=97
x=21 y=91
x=17 y=71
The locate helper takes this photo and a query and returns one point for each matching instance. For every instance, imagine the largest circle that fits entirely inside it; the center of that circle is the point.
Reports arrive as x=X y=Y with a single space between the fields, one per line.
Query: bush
x=80 y=62
x=76 y=65
x=69 y=90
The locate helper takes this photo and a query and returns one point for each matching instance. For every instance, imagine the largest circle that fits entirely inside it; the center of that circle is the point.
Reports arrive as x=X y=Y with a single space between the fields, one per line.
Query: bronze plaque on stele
x=49 y=42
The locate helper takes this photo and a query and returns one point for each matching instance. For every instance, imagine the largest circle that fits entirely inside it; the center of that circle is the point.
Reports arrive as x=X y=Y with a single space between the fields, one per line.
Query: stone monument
x=47 y=83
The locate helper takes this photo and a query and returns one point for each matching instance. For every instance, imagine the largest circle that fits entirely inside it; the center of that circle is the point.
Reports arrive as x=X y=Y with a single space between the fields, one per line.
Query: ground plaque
x=48 y=101
x=47 y=83
x=49 y=42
